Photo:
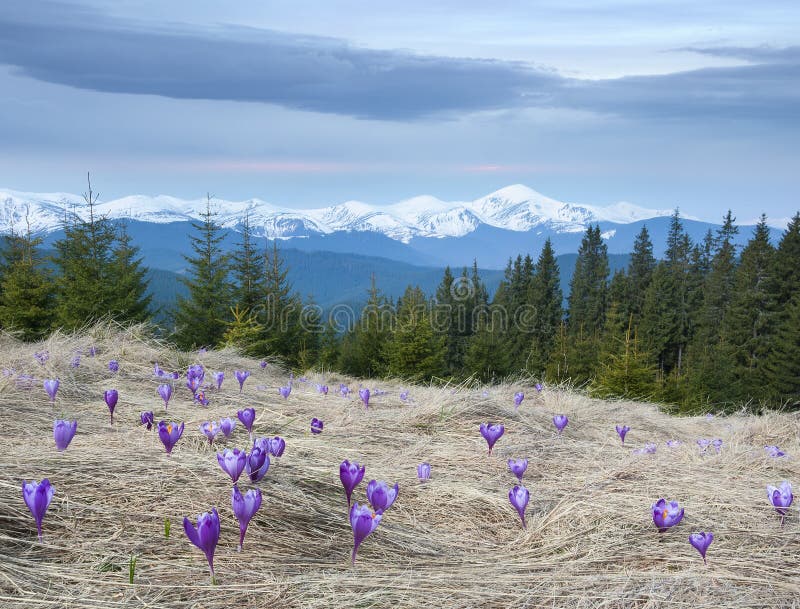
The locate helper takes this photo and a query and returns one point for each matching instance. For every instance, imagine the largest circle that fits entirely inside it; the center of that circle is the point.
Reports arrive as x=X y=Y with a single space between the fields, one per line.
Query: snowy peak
x=515 y=208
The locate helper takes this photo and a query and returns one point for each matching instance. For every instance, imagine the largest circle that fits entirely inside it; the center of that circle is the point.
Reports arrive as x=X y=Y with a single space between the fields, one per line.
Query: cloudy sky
x=308 y=103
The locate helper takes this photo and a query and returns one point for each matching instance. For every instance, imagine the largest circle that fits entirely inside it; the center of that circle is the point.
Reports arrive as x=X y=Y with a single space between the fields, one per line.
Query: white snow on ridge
x=516 y=207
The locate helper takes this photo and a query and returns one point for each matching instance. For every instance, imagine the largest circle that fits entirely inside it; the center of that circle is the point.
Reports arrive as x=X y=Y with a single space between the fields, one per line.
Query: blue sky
x=662 y=104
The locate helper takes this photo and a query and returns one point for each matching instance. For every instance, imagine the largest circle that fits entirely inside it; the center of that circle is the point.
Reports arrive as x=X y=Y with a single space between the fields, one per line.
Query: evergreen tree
x=547 y=300
x=783 y=364
x=786 y=275
x=640 y=273
x=131 y=302
x=415 y=351
x=248 y=271
x=748 y=322
x=363 y=353
x=27 y=295
x=623 y=371
x=447 y=321
x=85 y=282
x=330 y=347
x=201 y=317
x=588 y=287
x=711 y=375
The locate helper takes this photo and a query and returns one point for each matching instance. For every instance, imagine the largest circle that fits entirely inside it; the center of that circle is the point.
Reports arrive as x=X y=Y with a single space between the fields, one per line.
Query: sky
x=685 y=104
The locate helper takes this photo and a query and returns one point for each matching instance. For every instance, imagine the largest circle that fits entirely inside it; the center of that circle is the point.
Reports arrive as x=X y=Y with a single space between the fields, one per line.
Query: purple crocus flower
x=774 y=451
x=364 y=395
x=42 y=357
x=518 y=467
x=218 y=378
x=193 y=383
x=157 y=371
x=316 y=425
x=169 y=433
x=622 y=431
x=323 y=389
x=519 y=497
x=205 y=536
x=701 y=541
x=424 y=472
x=717 y=444
x=241 y=376
x=165 y=391
x=244 y=508
x=673 y=443
x=200 y=398
x=351 y=475
x=560 y=421
x=210 y=429
x=247 y=416
x=285 y=391
x=648 y=449
x=257 y=464
x=51 y=387
x=538 y=387
x=518 y=397
x=92 y=351
x=63 y=432
x=76 y=362
x=381 y=496
x=38 y=497
x=703 y=443
x=263 y=364
x=276 y=446
x=232 y=462
x=196 y=371
x=147 y=418
x=344 y=390
x=111 y=396
x=780 y=498
x=175 y=376
x=404 y=395
x=491 y=433
x=666 y=515
x=113 y=365
x=363 y=521
x=226 y=426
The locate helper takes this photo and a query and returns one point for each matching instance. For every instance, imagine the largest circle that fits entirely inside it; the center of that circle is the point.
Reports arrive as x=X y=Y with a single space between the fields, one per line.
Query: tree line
x=707 y=325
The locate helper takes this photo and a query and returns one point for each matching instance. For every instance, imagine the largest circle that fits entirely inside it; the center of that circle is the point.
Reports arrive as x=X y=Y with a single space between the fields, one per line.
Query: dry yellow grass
x=453 y=542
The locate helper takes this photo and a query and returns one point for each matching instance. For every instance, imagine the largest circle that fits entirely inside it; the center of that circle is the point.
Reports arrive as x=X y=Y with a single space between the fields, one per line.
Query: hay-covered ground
x=455 y=541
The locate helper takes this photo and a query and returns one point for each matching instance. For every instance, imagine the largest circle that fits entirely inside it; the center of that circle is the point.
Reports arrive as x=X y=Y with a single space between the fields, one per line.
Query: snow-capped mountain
x=514 y=208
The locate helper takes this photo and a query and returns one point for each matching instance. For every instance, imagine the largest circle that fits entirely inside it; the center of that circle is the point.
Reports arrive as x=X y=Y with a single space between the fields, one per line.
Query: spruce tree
x=782 y=368
x=747 y=326
x=363 y=352
x=248 y=272
x=640 y=273
x=85 y=282
x=547 y=300
x=130 y=302
x=588 y=287
x=415 y=351
x=26 y=295
x=201 y=317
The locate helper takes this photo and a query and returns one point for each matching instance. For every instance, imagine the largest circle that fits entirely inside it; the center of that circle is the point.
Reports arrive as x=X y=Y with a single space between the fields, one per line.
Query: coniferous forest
x=709 y=327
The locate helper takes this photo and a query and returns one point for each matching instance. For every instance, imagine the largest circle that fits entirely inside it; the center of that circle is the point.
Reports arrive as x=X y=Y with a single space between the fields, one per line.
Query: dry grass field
x=454 y=541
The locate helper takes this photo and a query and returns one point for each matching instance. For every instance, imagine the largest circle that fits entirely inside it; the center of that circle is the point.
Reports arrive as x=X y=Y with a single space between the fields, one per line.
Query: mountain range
x=332 y=251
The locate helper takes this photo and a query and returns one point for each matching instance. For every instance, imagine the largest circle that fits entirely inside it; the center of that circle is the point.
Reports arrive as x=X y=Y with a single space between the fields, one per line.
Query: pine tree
x=201 y=317
x=446 y=321
x=131 y=302
x=85 y=283
x=330 y=346
x=624 y=371
x=414 y=351
x=786 y=276
x=748 y=324
x=547 y=300
x=27 y=295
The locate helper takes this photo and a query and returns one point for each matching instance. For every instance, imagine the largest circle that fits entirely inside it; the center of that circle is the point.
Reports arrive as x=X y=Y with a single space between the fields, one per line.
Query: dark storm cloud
x=62 y=44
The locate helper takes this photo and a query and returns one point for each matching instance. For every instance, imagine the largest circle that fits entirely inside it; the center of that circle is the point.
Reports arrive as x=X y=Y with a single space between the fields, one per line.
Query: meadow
x=452 y=541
